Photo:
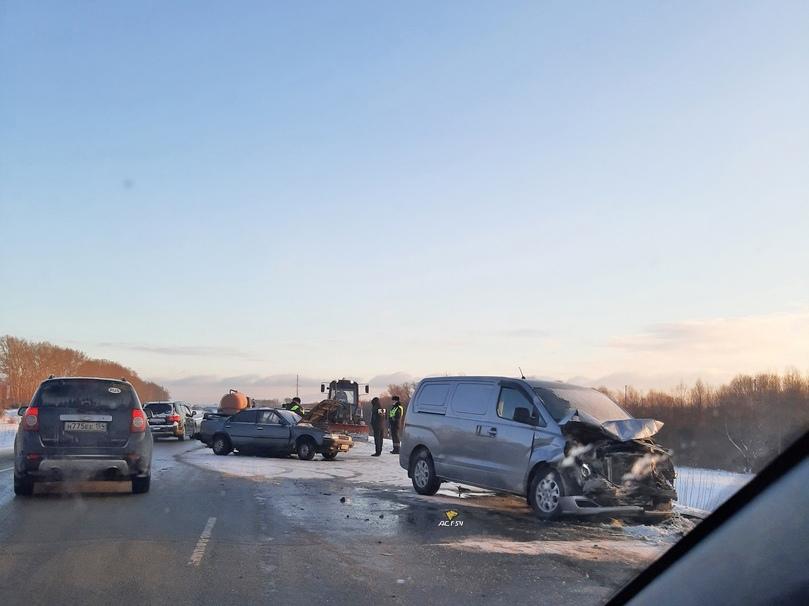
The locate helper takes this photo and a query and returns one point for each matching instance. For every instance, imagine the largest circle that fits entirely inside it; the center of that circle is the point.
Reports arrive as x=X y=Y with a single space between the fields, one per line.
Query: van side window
x=514 y=405
x=473 y=398
x=433 y=398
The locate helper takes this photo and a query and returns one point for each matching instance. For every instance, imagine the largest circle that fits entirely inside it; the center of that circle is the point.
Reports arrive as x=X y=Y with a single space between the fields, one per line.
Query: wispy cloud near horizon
x=179 y=350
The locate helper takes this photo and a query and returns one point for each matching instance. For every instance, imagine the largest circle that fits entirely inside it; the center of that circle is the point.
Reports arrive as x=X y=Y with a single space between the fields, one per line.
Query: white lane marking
x=199 y=550
x=6 y=469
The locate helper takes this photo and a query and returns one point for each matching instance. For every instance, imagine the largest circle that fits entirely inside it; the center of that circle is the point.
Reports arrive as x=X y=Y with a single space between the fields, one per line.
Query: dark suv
x=82 y=428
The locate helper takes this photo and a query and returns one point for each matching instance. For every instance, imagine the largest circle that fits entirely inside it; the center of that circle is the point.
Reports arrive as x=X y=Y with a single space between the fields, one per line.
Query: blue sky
x=220 y=192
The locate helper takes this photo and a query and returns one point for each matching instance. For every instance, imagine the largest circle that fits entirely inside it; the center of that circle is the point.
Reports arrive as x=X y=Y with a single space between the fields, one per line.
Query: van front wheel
x=422 y=471
x=545 y=493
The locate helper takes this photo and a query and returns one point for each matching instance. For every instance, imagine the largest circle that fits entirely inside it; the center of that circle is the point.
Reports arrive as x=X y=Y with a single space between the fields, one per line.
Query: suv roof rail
x=124 y=380
x=51 y=376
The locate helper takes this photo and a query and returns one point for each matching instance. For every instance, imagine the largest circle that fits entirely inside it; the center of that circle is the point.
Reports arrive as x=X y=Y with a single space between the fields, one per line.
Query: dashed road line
x=202 y=544
x=6 y=469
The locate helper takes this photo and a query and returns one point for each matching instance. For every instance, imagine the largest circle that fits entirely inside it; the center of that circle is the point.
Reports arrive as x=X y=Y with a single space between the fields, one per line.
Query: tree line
x=25 y=364
x=738 y=426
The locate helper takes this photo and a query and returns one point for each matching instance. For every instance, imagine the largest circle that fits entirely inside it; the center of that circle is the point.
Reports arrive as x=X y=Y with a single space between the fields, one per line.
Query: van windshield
x=81 y=393
x=560 y=401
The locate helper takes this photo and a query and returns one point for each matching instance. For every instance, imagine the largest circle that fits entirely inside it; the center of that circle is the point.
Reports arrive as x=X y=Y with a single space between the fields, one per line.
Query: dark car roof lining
x=788 y=460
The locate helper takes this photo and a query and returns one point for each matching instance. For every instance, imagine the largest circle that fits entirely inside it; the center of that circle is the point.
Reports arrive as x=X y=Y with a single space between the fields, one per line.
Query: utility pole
x=625 y=396
x=296 y=386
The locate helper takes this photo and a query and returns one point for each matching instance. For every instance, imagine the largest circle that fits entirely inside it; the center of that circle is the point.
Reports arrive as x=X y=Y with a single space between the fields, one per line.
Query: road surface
x=204 y=536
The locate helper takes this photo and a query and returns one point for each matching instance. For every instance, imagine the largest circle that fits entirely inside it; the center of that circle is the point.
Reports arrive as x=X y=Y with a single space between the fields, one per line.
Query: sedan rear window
x=84 y=393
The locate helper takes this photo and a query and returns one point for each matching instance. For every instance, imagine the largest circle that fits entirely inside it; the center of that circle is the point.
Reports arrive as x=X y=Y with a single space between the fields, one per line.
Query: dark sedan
x=270 y=431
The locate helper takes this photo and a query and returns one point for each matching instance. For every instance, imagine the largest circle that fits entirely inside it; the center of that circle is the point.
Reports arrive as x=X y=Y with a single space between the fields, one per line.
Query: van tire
x=422 y=473
x=221 y=445
x=545 y=492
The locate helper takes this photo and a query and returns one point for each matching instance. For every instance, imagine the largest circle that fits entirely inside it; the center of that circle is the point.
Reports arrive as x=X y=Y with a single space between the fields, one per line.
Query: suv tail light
x=30 y=420
x=138 y=424
x=173 y=418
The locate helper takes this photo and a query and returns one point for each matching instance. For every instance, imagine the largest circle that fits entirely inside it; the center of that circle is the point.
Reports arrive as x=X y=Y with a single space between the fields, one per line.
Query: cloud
x=663 y=355
x=179 y=350
x=522 y=333
x=382 y=381
x=510 y=333
x=720 y=335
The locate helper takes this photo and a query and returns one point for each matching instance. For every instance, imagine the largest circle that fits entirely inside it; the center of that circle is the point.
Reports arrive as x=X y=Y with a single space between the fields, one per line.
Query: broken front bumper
x=583 y=506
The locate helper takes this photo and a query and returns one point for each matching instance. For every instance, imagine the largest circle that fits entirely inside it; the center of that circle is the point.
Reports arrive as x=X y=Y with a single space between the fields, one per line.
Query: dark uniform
x=378 y=425
x=395 y=415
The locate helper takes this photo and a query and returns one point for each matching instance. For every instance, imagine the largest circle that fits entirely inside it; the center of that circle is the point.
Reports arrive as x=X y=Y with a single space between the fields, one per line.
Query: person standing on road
x=395 y=415
x=377 y=424
x=296 y=407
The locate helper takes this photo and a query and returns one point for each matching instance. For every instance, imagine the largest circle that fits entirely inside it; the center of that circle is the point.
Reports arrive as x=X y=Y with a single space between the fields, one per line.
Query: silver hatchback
x=567 y=449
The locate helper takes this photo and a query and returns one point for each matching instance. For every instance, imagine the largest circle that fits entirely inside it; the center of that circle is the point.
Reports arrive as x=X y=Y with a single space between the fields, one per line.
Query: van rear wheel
x=422 y=472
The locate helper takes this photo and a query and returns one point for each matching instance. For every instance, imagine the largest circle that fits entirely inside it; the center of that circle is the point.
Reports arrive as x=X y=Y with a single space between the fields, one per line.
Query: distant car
x=173 y=419
x=568 y=449
x=270 y=431
x=82 y=428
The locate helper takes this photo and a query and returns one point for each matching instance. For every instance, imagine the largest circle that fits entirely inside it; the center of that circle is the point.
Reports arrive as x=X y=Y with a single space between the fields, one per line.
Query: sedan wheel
x=221 y=445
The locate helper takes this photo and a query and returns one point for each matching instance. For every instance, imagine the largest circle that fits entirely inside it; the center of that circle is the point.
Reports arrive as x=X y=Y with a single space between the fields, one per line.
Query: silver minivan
x=568 y=449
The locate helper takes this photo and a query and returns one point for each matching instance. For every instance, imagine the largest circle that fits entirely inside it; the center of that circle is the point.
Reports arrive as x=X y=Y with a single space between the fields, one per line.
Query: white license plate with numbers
x=85 y=426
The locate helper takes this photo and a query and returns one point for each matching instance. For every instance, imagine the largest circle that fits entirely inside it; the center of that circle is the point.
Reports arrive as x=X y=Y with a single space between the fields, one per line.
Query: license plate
x=156 y=421
x=84 y=426
x=344 y=447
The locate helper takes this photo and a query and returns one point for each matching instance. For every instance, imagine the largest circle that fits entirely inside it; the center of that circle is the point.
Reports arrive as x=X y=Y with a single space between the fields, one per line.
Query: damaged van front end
x=613 y=467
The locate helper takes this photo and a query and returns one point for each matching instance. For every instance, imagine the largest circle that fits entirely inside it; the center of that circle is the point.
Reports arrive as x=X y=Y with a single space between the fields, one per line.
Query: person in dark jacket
x=395 y=415
x=377 y=424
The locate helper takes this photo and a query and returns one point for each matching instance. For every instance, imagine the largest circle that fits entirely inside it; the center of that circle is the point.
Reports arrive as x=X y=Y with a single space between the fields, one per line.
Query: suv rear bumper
x=84 y=468
x=166 y=430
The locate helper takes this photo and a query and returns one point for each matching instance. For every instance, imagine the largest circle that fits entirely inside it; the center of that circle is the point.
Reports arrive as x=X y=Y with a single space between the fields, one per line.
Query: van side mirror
x=367 y=389
x=21 y=410
x=322 y=388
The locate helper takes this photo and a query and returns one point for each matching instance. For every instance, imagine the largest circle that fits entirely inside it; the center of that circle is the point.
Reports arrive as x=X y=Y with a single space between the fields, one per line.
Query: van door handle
x=259 y=428
x=492 y=432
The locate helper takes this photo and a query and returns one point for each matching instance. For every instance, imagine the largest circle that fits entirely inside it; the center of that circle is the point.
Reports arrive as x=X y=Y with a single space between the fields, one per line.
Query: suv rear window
x=85 y=393
x=159 y=409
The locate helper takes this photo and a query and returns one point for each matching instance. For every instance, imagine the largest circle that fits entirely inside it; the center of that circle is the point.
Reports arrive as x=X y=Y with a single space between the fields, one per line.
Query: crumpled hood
x=319 y=412
x=622 y=430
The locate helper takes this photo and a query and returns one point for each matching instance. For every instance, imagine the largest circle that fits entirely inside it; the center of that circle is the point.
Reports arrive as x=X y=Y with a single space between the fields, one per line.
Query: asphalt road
x=202 y=537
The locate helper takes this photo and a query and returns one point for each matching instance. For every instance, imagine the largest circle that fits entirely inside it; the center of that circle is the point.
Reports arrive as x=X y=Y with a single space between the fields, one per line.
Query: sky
x=229 y=194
